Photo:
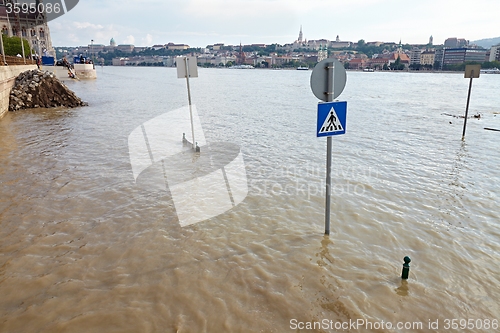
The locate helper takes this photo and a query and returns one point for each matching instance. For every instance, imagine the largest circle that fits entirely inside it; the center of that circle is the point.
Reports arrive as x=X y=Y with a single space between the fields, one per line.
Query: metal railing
x=10 y=60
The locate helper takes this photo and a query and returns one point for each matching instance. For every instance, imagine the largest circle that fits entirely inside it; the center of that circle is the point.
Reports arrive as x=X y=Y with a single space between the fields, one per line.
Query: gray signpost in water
x=471 y=71
x=188 y=67
x=327 y=83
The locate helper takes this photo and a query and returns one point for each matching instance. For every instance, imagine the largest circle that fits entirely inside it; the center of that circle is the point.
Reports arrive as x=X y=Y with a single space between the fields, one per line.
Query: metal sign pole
x=329 y=98
x=467 y=107
x=327 y=83
x=189 y=99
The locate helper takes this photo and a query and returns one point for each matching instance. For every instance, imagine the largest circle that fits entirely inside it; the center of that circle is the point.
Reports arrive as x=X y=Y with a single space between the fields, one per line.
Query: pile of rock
x=37 y=89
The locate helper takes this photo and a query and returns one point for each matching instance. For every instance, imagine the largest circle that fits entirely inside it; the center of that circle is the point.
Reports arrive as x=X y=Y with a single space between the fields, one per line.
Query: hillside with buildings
x=377 y=55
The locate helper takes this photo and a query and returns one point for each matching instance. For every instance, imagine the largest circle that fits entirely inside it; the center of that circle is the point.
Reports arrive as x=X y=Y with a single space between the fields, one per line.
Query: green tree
x=12 y=46
x=397 y=65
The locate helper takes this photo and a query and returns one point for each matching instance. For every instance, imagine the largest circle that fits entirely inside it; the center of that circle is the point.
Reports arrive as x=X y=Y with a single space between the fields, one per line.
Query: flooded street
x=86 y=248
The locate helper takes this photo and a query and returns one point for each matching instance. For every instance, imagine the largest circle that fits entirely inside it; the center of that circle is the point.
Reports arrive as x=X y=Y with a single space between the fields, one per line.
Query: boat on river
x=242 y=67
x=490 y=71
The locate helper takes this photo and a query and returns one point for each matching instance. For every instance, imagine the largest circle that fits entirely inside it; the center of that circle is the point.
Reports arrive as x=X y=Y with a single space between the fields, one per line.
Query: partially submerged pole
x=467 y=108
x=186 y=62
x=329 y=98
x=406 y=268
x=471 y=71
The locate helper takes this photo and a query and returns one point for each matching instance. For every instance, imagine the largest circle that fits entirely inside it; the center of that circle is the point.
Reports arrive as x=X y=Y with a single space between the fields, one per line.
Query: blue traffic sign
x=331 y=118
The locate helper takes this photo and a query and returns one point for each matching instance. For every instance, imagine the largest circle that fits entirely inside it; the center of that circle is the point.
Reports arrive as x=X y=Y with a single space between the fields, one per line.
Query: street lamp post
x=92 y=51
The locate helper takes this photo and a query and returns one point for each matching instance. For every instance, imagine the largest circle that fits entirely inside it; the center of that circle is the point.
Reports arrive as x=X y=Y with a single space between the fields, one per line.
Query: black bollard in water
x=406 y=268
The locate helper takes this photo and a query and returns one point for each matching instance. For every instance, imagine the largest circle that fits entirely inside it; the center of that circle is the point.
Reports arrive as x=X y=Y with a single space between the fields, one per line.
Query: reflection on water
x=84 y=248
x=324 y=254
x=403 y=289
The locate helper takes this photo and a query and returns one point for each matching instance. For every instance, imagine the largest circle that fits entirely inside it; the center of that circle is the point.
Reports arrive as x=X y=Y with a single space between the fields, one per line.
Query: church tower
x=322 y=53
x=300 y=35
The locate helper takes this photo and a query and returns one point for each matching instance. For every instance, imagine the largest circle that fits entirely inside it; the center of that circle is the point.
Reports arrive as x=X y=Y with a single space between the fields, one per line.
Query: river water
x=86 y=248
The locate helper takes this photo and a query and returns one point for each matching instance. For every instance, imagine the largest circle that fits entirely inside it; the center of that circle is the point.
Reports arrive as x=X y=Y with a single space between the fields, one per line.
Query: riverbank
x=8 y=75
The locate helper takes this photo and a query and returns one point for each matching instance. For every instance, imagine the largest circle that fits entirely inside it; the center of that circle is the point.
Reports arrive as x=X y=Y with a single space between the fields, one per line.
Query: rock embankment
x=37 y=89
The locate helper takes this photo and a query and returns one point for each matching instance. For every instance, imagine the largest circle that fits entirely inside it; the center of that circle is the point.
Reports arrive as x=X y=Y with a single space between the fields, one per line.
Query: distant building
x=454 y=42
x=32 y=27
x=438 y=58
x=427 y=58
x=217 y=47
x=338 y=44
x=96 y=48
x=322 y=53
x=403 y=58
x=455 y=56
x=172 y=46
x=415 y=56
x=495 y=53
x=357 y=63
x=127 y=48
x=377 y=44
x=139 y=60
x=431 y=40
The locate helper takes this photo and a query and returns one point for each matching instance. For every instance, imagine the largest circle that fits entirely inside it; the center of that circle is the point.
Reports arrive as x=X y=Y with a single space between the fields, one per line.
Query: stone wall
x=8 y=75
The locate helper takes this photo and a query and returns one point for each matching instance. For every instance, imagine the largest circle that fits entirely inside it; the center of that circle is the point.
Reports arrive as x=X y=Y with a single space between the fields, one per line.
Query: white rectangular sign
x=181 y=67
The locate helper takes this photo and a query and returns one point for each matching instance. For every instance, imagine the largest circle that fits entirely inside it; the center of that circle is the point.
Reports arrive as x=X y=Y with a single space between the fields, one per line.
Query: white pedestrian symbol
x=332 y=123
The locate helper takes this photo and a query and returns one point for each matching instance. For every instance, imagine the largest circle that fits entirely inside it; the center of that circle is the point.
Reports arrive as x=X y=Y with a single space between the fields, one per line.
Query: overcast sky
x=199 y=23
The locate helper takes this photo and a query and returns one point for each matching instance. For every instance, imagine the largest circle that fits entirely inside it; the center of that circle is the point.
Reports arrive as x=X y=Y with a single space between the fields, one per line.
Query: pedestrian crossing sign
x=331 y=118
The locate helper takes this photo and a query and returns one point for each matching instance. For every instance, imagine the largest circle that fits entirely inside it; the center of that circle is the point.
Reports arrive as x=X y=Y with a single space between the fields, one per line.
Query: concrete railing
x=8 y=76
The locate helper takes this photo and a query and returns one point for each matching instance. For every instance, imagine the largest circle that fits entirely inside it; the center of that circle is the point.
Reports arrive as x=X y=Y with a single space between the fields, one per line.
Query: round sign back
x=320 y=76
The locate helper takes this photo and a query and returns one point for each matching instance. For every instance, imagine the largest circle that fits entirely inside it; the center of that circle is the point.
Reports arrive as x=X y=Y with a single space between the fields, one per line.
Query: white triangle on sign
x=332 y=123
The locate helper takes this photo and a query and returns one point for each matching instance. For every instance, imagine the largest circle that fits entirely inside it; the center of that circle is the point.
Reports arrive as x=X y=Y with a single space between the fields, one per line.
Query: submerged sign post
x=327 y=83
x=188 y=67
x=471 y=72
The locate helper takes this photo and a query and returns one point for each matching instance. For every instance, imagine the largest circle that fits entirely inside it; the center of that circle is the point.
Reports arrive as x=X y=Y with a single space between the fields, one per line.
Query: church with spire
x=32 y=27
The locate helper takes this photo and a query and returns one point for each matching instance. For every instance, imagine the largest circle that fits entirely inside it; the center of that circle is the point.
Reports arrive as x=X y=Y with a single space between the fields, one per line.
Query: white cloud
x=148 y=40
x=87 y=25
x=199 y=23
x=129 y=40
